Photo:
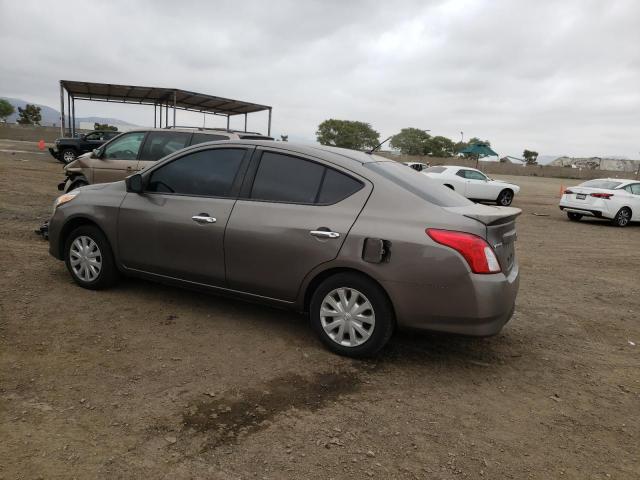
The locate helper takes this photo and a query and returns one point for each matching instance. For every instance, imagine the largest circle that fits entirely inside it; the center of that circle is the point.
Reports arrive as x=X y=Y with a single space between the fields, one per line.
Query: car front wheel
x=352 y=315
x=505 y=198
x=622 y=218
x=89 y=259
x=68 y=155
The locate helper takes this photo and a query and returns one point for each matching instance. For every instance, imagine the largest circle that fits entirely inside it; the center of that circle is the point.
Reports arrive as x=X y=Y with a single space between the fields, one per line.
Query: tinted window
x=462 y=173
x=435 y=169
x=420 y=185
x=337 y=186
x=608 y=184
x=206 y=137
x=282 y=178
x=125 y=147
x=255 y=137
x=161 y=144
x=207 y=172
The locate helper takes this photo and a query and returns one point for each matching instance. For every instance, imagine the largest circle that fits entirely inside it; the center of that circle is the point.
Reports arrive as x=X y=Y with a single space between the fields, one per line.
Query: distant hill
x=51 y=116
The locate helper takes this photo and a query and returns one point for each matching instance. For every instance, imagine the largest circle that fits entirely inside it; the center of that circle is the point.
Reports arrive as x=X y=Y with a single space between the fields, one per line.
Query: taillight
x=606 y=196
x=475 y=250
x=568 y=192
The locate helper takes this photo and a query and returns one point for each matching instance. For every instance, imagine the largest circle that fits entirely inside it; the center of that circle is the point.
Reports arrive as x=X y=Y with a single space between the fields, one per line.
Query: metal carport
x=167 y=99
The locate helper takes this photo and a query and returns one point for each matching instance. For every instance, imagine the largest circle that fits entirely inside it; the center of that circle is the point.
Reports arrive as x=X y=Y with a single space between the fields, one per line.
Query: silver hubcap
x=623 y=217
x=85 y=259
x=347 y=317
x=68 y=156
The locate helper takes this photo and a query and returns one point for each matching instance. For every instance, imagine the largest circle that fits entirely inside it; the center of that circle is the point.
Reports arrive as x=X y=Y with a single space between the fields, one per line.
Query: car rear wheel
x=68 y=155
x=505 y=198
x=352 y=315
x=574 y=217
x=622 y=218
x=89 y=258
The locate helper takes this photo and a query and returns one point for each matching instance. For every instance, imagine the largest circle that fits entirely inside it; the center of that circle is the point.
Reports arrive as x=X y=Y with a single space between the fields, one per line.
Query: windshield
x=418 y=184
x=607 y=184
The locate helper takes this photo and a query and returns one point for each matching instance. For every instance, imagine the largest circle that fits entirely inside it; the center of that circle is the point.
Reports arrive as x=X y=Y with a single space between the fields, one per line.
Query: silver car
x=360 y=242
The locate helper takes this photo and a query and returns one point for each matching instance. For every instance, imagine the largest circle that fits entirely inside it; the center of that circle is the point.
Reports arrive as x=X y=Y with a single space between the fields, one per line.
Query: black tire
x=505 y=198
x=107 y=274
x=382 y=310
x=80 y=182
x=68 y=155
x=450 y=186
x=622 y=218
x=574 y=217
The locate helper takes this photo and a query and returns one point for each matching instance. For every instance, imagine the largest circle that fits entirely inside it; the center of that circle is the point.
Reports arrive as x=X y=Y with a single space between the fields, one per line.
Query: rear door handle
x=203 y=219
x=324 y=234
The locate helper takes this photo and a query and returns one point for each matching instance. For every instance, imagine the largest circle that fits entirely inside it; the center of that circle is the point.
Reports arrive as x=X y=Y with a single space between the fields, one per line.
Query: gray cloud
x=558 y=77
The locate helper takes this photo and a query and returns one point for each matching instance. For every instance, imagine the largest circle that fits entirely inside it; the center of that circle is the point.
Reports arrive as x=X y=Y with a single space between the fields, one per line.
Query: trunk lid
x=500 y=224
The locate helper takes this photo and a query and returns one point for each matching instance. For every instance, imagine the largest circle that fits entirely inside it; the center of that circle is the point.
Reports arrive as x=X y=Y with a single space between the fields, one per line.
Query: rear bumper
x=479 y=305
x=599 y=209
x=582 y=211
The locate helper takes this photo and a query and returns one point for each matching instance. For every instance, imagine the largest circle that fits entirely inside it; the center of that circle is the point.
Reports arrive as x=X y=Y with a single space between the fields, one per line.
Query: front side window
x=209 y=173
x=473 y=175
x=282 y=178
x=125 y=147
x=635 y=188
x=161 y=144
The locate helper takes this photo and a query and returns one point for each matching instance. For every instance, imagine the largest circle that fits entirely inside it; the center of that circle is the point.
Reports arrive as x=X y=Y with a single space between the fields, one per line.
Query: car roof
x=338 y=155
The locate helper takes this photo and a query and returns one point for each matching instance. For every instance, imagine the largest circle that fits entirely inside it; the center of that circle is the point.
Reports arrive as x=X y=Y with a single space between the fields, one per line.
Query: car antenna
x=379 y=145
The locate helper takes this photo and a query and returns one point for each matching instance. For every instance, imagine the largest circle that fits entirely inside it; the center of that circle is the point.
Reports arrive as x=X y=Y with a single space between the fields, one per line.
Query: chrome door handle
x=324 y=234
x=203 y=219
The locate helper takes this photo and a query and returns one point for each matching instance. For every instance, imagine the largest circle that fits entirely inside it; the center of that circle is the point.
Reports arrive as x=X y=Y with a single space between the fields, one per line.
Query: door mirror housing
x=134 y=183
x=95 y=153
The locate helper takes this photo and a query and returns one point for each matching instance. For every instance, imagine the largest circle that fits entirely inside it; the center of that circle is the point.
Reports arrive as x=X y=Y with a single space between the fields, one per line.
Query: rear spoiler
x=487 y=214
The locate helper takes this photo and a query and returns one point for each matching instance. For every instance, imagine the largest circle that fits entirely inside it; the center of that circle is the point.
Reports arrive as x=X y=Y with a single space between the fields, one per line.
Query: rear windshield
x=419 y=185
x=435 y=169
x=608 y=184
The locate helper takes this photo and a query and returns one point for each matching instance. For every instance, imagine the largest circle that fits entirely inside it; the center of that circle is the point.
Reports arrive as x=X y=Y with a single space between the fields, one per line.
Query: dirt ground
x=147 y=381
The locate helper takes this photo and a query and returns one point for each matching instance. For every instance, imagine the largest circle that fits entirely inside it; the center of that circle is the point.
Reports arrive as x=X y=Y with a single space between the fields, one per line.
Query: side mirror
x=95 y=153
x=134 y=183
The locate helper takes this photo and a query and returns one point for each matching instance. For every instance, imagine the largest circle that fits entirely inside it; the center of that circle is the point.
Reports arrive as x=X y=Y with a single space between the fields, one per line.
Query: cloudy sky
x=559 y=77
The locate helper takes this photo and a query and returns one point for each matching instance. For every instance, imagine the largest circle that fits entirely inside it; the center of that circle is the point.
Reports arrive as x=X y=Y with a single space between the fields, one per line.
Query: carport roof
x=184 y=99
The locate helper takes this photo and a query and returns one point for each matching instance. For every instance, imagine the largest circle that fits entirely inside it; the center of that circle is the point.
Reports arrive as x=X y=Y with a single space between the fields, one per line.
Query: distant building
x=598 y=163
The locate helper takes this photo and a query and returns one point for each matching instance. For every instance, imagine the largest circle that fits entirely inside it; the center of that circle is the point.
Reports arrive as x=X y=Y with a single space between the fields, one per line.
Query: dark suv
x=137 y=149
x=68 y=149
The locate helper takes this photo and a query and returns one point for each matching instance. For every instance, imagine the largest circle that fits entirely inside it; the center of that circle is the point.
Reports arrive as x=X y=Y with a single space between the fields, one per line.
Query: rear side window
x=283 y=178
x=207 y=137
x=435 y=169
x=635 y=188
x=607 y=184
x=420 y=185
x=209 y=173
x=161 y=144
x=337 y=186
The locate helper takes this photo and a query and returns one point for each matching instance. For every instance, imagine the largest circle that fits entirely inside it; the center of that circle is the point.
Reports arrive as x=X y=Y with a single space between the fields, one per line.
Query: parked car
x=359 y=241
x=417 y=166
x=473 y=184
x=612 y=198
x=67 y=149
x=137 y=149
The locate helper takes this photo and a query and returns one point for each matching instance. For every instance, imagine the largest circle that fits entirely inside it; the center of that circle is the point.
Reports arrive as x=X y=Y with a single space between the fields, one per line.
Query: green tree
x=29 y=115
x=530 y=156
x=459 y=146
x=411 y=141
x=104 y=126
x=347 y=134
x=440 y=146
x=6 y=109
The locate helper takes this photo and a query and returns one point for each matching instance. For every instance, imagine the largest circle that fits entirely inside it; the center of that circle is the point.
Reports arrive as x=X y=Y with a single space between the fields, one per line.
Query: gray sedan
x=362 y=243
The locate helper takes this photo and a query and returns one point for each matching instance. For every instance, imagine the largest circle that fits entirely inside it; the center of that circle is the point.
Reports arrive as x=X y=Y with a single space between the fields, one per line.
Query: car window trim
x=256 y=158
x=235 y=185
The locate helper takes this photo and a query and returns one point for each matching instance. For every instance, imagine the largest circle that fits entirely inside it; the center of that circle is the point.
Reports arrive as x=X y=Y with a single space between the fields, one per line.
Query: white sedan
x=473 y=184
x=613 y=198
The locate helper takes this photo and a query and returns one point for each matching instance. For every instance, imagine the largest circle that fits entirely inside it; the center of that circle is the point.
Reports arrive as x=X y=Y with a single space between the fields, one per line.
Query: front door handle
x=203 y=219
x=324 y=234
